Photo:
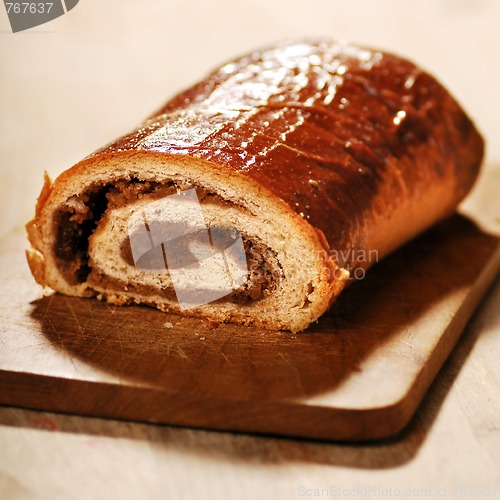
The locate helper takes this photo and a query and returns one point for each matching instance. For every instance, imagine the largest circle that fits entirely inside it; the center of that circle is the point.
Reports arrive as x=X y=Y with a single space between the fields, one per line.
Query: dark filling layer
x=74 y=227
x=75 y=224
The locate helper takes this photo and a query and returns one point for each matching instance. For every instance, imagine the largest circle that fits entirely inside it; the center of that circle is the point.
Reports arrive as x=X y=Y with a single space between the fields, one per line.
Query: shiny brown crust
x=362 y=149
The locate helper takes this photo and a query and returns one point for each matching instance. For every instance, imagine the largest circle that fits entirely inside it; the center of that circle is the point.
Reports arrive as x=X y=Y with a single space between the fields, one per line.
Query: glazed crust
x=357 y=149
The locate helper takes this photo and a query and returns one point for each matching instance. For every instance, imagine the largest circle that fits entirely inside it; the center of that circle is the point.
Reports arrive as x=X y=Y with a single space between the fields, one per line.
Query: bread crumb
x=167 y=324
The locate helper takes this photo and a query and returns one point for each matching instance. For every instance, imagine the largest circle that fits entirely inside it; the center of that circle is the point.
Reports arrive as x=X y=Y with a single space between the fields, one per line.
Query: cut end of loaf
x=85 y=235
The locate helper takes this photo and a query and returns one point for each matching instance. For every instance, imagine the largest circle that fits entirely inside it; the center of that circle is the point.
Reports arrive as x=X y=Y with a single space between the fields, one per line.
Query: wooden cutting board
x=358 y=374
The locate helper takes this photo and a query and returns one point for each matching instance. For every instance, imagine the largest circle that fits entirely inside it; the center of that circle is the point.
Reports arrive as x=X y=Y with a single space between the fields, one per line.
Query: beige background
x=72 y=85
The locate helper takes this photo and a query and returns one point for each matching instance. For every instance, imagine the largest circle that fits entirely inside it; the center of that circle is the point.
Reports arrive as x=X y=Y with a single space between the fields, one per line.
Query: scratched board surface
x=359 y=373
